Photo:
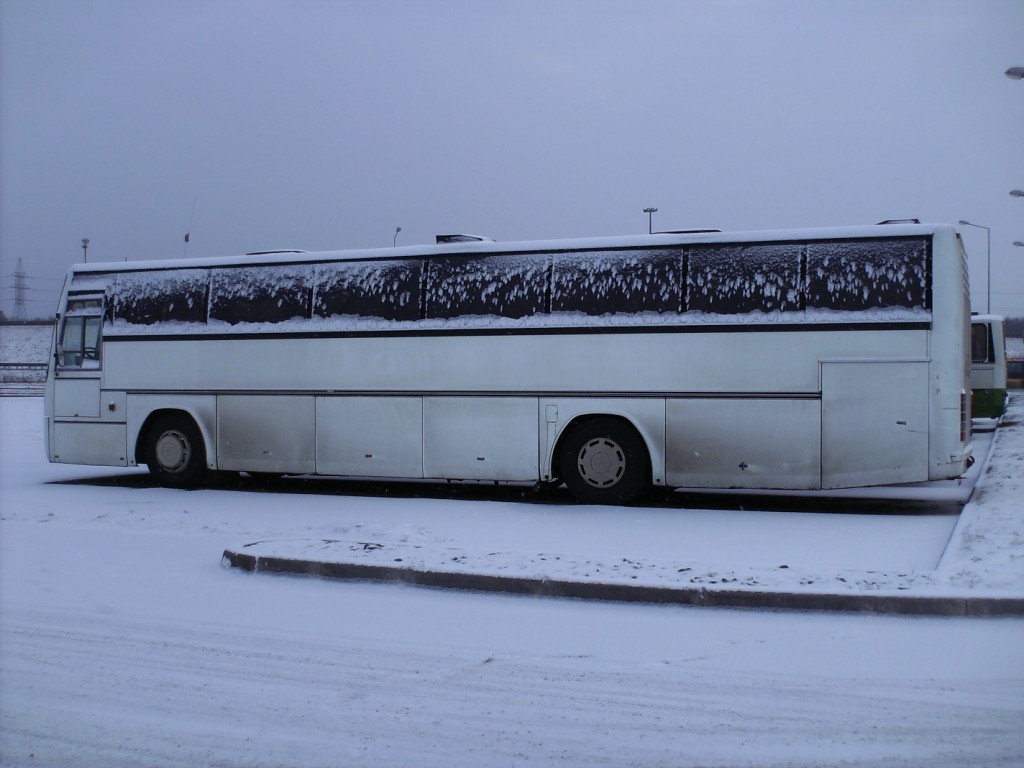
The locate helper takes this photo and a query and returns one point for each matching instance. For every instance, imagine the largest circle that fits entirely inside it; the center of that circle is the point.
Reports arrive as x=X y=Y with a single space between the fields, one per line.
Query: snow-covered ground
x=21 y=345
x=24 y=343
x=705 y=554
x=125 y=642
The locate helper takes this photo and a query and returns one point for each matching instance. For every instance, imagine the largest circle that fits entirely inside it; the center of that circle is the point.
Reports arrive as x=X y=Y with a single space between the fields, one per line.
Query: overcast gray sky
x=323 y=125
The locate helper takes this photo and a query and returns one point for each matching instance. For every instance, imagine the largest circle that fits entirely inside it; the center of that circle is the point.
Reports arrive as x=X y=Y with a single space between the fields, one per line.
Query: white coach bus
x=801 y=359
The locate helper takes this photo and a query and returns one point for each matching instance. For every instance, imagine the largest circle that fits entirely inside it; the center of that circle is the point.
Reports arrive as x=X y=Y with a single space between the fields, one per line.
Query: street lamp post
x=394 y=241
x=650 y=212
x=988 y=268
x=85 y=248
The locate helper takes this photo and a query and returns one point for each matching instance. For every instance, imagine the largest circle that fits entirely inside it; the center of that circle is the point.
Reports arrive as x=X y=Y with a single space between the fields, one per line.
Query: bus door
x=77 y=382
x=83 y=432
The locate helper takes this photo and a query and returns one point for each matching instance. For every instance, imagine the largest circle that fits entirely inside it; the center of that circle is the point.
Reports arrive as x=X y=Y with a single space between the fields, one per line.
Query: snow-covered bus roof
x=483 y=247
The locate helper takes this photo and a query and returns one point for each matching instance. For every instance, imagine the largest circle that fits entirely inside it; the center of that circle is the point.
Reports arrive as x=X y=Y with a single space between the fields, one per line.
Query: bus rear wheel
x=604 y=461
x=174 y=452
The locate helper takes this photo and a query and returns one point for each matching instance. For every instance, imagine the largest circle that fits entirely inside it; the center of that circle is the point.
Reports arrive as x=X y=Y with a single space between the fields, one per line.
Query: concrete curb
x=910 y=605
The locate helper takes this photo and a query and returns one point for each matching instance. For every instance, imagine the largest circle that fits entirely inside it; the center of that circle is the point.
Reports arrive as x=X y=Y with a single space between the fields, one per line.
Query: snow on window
x=611 y=282
x=734 y=279
x=782 y=282
x=262 y=294
x=512 y=286
x=389 y=290
x=866 y=274
x=145 y=298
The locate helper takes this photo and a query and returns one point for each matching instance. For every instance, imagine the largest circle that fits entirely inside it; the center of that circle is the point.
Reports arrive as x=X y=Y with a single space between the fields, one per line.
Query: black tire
x=604 y=461
x=175 y=453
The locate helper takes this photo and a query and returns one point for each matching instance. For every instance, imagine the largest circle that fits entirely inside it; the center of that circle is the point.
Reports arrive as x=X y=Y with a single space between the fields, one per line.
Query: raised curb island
x=980 y=573
x=721 y=598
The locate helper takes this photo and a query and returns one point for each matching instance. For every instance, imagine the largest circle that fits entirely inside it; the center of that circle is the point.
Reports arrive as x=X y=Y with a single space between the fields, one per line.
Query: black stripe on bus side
x=485 y=393
x=110 y=335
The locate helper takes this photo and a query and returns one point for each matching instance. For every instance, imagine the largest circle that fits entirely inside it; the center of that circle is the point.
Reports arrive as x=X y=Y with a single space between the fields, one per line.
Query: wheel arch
x=653 y=449
x=153 y=415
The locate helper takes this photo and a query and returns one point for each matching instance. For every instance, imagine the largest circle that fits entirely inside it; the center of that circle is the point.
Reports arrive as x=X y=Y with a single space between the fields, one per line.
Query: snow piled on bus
x=883 y=280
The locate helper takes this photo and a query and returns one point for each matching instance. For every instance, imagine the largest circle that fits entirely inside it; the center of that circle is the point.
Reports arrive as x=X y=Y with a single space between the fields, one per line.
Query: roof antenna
x=188 y=234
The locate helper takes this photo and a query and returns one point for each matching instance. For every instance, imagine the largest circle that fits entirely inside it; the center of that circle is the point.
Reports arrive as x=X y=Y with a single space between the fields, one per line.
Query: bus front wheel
x=174 y=452
x=604 y=461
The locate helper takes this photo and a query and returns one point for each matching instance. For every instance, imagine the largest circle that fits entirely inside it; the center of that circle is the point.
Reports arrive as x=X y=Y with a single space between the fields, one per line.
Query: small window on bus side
x=740 y=279
x=80 y=337
x=388 y=290
x=599 y=283
x=261 y=294
x=981 y=348
x=513 y=286
x=148 y=298
x=868 y=274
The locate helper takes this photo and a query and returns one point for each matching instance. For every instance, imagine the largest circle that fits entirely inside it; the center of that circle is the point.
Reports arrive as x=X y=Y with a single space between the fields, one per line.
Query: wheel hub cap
x=172 y=451
x=601 y=462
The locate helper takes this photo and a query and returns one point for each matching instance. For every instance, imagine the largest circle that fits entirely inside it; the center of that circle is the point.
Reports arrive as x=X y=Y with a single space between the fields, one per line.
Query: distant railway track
x=21 y=389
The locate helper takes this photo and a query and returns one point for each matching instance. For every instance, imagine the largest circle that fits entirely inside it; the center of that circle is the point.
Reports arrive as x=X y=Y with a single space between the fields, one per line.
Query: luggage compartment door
x=874 y=423
x=266 y=433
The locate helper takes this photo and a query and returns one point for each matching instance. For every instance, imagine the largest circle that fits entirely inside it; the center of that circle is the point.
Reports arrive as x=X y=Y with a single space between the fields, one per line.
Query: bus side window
x=980 y=344
x=80 y=342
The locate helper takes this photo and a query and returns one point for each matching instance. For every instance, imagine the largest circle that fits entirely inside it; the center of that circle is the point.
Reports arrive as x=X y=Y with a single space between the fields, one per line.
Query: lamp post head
x=1017 y=193
x=1015 y=73
x=972 y=224
x=650 y=212
x=1018 y=243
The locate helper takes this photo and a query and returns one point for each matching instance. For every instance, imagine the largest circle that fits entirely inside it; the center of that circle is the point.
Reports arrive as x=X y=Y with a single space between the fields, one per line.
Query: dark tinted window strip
x=112 y=336
x=718 y=278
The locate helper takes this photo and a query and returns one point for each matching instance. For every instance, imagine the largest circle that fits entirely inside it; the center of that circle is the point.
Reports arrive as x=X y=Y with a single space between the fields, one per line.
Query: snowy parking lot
x=125 y=641
x=882 y=549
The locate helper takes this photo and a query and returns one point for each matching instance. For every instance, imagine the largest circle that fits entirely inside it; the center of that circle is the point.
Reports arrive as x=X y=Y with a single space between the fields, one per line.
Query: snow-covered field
x=24 y=343
x=21 y=345
x=125 y=642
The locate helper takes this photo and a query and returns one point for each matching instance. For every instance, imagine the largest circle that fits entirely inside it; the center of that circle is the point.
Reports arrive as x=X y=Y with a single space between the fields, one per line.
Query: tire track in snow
x=151 y=693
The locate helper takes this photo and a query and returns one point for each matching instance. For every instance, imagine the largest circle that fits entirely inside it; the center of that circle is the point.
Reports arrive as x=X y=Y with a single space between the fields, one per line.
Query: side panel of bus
x=267 y=433
x=369 y=436
x=717 y=430
x=722 y=442
x=480 y=438
x=868 y=439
